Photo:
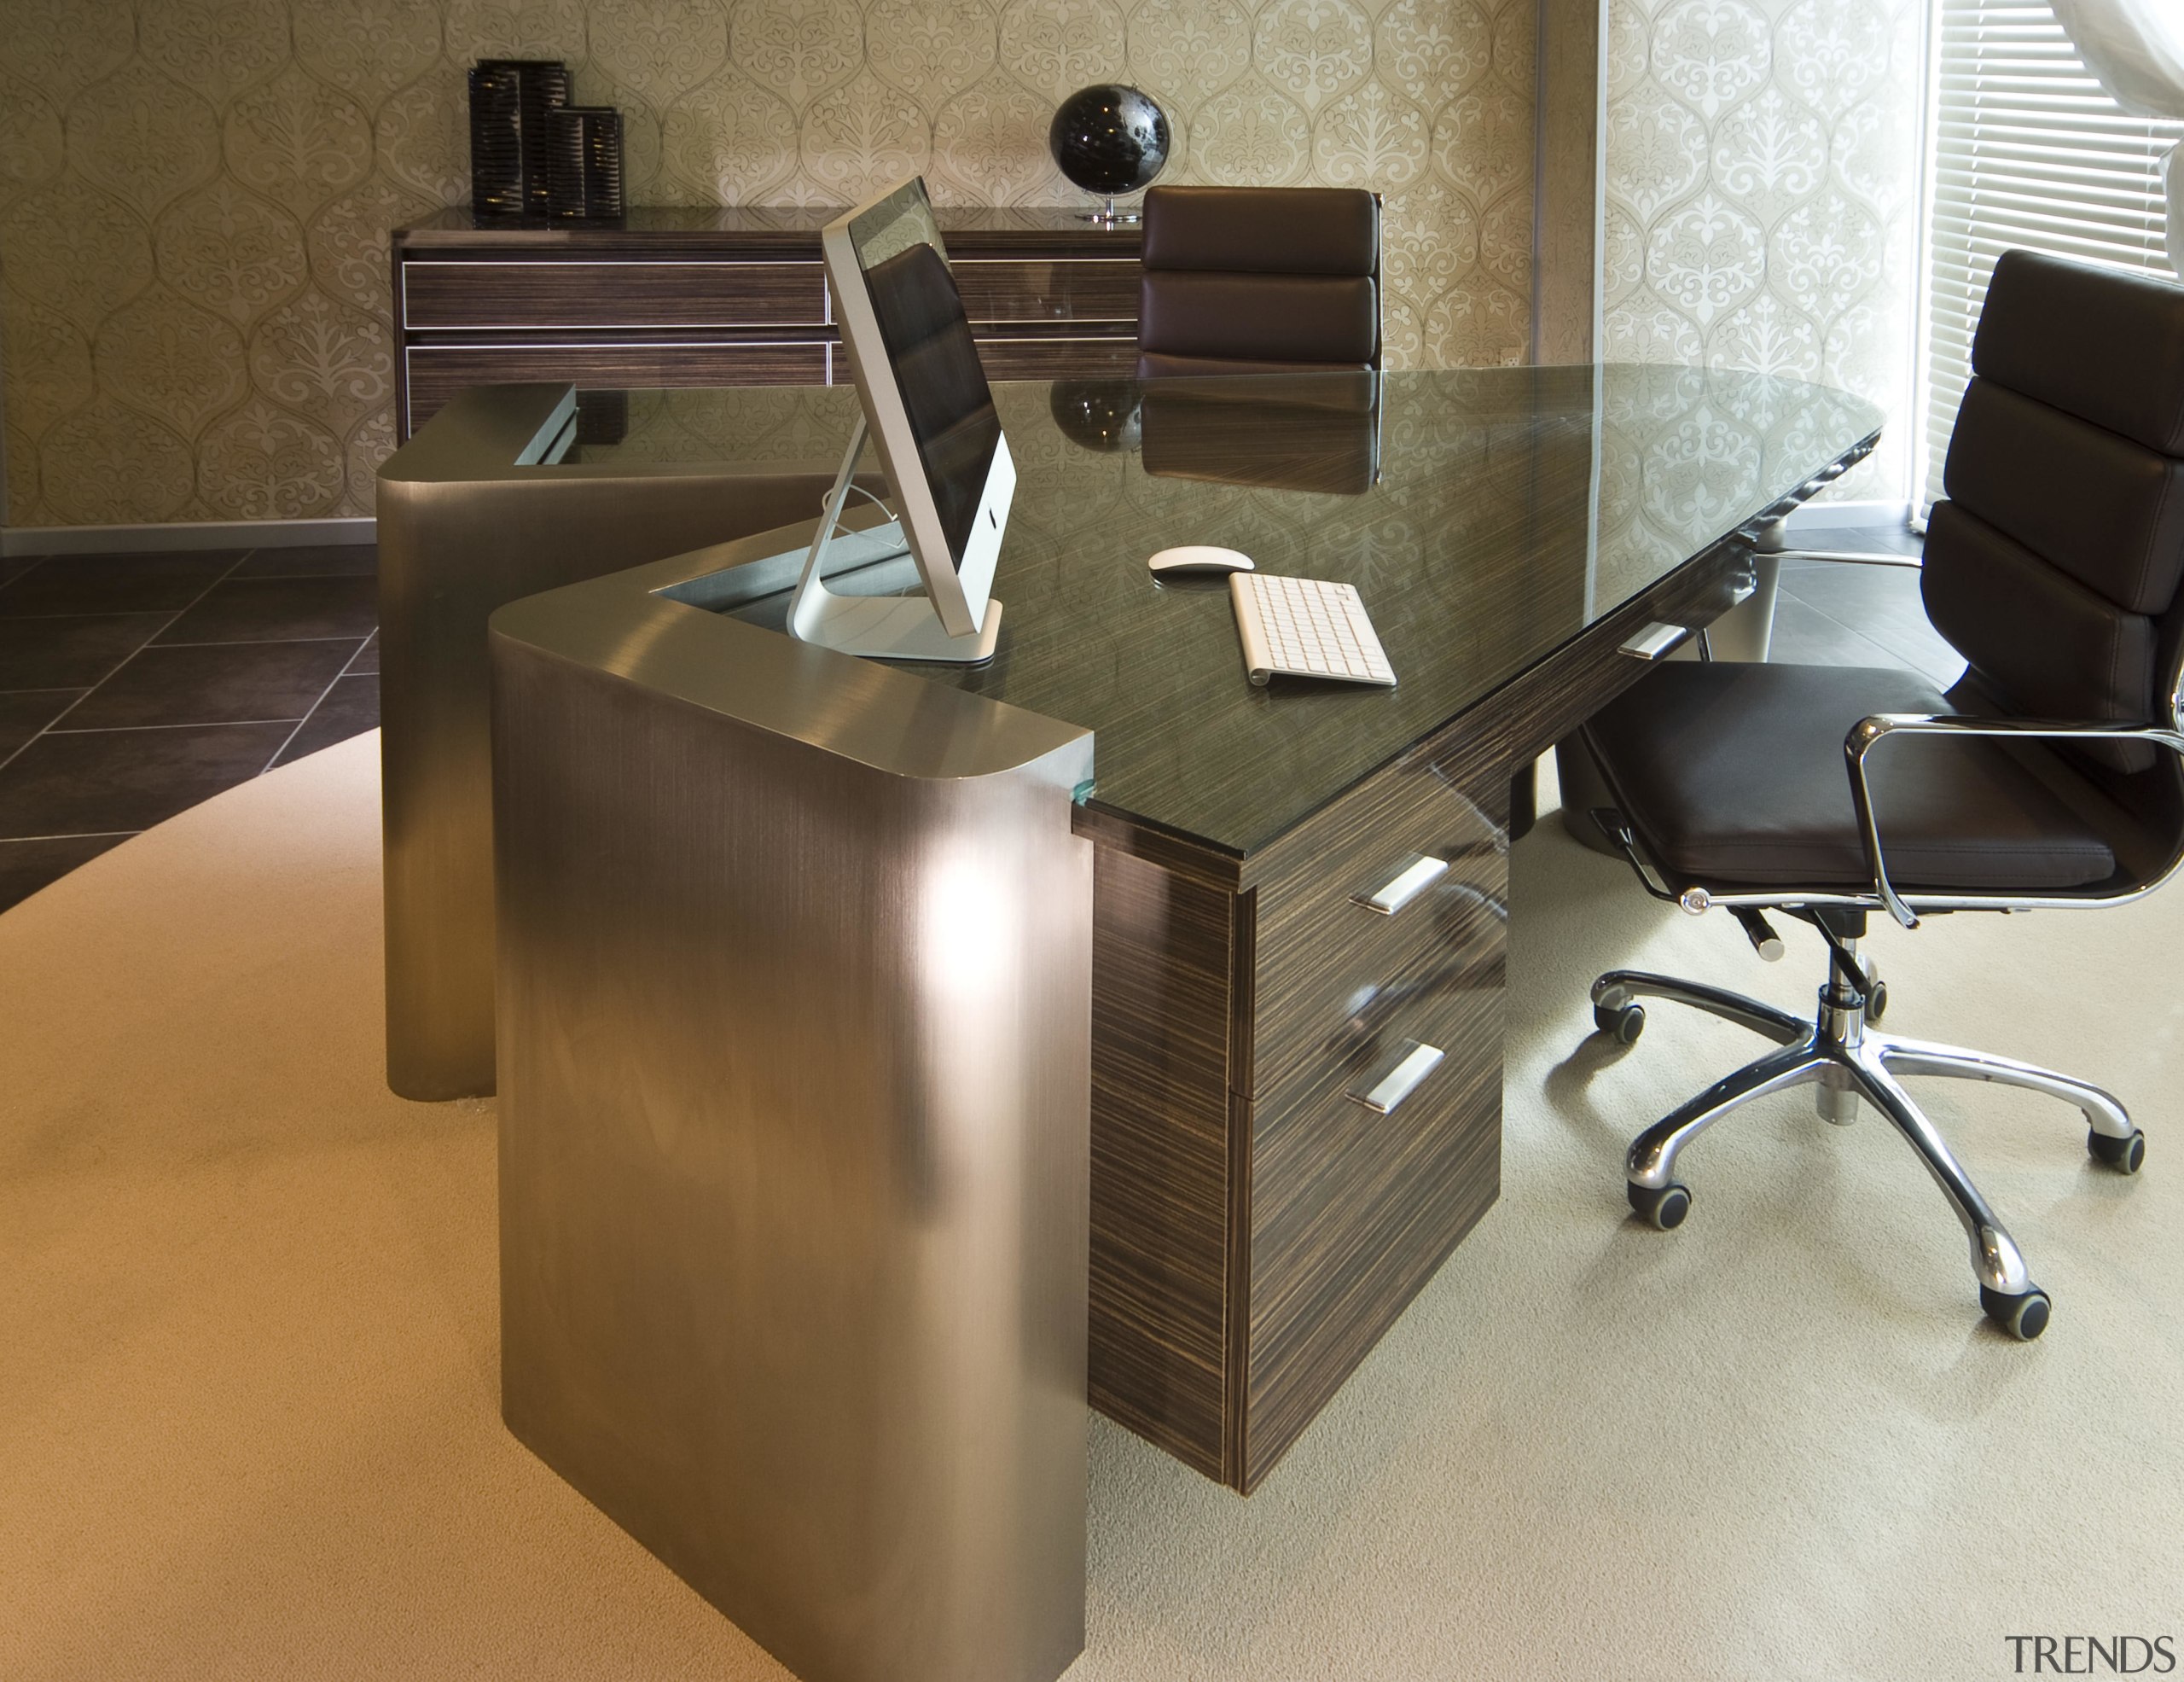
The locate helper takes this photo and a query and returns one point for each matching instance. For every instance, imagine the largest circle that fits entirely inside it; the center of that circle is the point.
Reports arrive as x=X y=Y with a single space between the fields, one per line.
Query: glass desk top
x=1486 y=516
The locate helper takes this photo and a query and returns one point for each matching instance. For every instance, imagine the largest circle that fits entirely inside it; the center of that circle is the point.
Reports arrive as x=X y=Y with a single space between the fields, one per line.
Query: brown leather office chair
x=1259 y=280
x=2051 y=775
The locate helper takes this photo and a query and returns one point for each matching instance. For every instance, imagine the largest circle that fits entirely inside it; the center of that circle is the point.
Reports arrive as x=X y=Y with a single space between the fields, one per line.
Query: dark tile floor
x=1835 y=613
x=133 y=686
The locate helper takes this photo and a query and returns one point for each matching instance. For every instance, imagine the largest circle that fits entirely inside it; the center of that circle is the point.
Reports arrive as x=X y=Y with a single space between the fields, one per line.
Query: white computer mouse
x=1200 y=557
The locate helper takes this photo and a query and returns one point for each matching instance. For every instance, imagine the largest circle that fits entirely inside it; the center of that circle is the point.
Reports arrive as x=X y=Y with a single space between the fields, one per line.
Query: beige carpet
x=247 y=1421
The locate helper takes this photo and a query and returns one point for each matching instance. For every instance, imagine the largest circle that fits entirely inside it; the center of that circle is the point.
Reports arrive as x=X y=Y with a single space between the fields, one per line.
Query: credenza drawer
x=527 y=295
x=1101 y=356
x=437 y=372
x=1102 y=289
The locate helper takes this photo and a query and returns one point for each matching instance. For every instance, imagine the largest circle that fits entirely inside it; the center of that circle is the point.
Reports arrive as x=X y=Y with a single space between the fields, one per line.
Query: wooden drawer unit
x=1352 y=1209
x=1375 y=1101
x=1463 y=949
x=1084 y=291
x=1255 y=1228
x=525 y=294
x=1077 y=357
x=694 y=297
x=435 y=373
x=1378 y=890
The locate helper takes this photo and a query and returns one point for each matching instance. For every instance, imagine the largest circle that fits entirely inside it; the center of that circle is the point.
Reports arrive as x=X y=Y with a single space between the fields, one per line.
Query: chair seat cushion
x=1734 y=776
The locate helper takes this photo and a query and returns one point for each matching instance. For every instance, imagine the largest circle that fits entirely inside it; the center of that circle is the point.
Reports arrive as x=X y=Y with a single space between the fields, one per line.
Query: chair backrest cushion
x=2048 y=647
x=2104 y=344
x=2053 y=566
x=1263 y=230
x=2104 y=509
x=1273 y=276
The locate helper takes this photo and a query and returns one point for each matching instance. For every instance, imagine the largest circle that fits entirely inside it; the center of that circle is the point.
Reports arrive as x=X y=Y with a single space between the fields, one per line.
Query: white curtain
x=2136 y=48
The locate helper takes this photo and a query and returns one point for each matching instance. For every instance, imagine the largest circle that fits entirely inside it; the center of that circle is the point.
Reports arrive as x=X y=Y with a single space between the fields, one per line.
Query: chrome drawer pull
x=1418 y=874
x=1655 y=640
x=1388 y=1092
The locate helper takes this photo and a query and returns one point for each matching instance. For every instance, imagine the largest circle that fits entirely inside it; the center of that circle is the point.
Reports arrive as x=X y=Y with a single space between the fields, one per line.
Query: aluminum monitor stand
x=881 y=627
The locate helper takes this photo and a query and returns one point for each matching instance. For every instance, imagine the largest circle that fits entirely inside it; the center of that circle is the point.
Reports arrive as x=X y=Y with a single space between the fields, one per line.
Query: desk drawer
x=1323 y=961
x=1102 y=290
x=1352 y=1209
x=534 y=295
x=1458 y=944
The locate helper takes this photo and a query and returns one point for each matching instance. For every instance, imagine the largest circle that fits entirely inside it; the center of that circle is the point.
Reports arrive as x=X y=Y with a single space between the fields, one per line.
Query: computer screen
x=929 y=348
x=929 y=413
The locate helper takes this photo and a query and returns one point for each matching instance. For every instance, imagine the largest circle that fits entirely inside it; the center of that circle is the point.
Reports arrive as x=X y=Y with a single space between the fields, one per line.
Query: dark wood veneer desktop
x=728 y=297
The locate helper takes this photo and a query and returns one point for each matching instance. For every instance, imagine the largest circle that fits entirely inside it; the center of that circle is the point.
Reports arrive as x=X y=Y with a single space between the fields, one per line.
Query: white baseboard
x=186 y=534
x=1836 y=516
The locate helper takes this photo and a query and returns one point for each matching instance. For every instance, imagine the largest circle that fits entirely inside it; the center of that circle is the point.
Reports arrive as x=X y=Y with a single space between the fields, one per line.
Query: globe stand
x=1109 y=216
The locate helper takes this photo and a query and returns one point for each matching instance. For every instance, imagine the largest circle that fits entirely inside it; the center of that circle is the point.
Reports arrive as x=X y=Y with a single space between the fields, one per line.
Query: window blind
x=2029 y=152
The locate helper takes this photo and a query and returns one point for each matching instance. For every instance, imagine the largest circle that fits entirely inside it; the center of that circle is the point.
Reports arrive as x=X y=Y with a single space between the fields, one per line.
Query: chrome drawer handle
x=1386 y=1094
x=1655 y=640
x=1418 y=874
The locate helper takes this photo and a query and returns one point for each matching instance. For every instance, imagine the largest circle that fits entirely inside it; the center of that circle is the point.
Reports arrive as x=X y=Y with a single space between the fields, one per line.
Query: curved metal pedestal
x=794 y=1050
x=473 y=512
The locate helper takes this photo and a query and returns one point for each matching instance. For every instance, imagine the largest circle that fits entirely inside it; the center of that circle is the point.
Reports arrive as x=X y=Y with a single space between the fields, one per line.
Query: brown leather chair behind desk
x=1259 y=280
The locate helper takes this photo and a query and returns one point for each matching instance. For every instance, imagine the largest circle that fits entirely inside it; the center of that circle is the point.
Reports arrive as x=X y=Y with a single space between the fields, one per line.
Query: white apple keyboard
x=1306 y=628
x=1200 y=557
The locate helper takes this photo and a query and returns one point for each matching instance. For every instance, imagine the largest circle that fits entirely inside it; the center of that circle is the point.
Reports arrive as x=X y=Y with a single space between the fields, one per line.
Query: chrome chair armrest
x=1869 y=733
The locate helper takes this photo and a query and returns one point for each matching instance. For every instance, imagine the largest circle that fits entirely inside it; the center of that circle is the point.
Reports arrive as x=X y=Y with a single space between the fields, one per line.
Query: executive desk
x=1263 y=1201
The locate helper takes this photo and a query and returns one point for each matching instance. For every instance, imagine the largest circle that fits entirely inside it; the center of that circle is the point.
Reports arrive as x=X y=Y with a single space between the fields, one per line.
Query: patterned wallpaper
x=194 y=194
x=1762 y=164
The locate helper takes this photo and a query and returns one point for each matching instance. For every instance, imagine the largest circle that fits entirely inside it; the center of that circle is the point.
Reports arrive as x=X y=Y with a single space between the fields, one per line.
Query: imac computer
x=926 y=404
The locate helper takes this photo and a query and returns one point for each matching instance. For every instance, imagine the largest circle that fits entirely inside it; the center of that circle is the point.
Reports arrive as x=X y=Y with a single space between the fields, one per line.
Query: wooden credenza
x=729 y=297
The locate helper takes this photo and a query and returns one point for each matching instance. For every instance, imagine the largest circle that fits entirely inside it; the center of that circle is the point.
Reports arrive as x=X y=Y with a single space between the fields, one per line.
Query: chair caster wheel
x=1877 y=1002
x=1622 y=1023
x=2126 y=1156
x=1664 y=1209
x=2023 y=1317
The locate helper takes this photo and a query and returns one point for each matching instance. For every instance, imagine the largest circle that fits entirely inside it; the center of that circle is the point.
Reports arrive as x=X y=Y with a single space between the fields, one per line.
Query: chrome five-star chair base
x=1846 y=1058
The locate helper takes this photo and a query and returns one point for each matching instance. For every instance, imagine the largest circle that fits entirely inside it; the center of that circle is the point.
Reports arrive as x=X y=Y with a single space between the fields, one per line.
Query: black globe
x=1109 y=139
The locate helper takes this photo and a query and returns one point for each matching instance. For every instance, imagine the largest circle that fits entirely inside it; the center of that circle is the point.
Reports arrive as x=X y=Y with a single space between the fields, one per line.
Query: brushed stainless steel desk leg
x=461 y=532
x=795 y=1063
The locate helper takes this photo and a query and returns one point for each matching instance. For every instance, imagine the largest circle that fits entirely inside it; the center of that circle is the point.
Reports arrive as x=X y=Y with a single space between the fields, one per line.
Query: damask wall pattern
x=1762 y=174
x=195 y=195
